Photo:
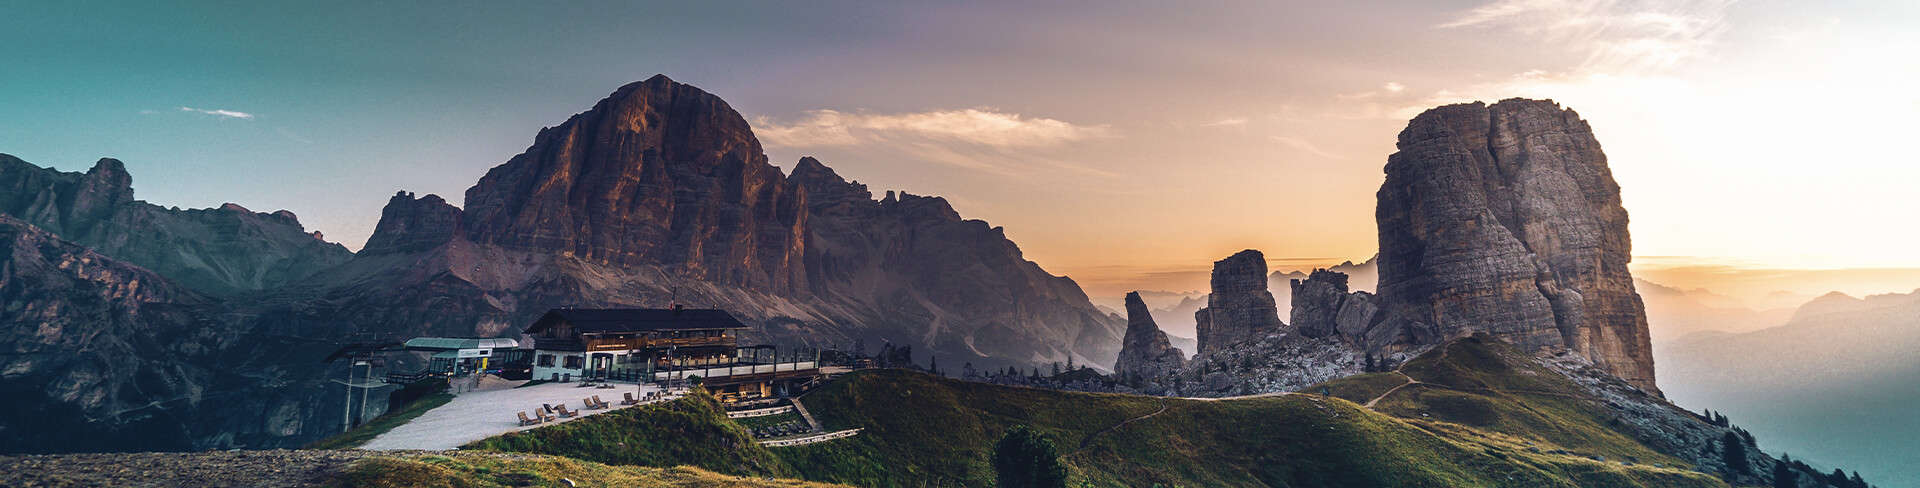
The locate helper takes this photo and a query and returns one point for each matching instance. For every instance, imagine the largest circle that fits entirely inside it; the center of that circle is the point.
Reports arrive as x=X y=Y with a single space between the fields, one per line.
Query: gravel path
x=476 y=415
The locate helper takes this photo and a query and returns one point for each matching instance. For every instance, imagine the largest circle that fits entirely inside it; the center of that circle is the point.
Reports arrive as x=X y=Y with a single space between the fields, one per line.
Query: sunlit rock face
x=1240 y=307
x=1505 y=219
x=1145 y=351
x=659 y=173
x=222 y=251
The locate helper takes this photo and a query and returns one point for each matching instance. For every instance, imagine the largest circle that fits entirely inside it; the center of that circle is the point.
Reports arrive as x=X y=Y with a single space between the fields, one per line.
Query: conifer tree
x=1734 y=453
x=1783 y=475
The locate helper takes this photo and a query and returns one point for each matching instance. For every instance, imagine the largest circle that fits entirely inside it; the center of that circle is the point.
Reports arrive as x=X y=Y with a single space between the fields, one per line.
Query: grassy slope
x=1492 y=387
x=496 y=470
x=380 y=425
x=691 y=431
x=922 y=430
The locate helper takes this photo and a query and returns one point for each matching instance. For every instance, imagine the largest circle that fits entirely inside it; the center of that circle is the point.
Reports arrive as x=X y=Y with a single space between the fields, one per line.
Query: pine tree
x=1859 y=482
x=1734 y=453
x=933 y=365
x=1056 y=368
x=1783 y=475
x=1838 y=478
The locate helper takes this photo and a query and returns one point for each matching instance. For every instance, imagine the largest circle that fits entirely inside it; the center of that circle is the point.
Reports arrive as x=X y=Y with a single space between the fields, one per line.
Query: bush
x=1025 y=459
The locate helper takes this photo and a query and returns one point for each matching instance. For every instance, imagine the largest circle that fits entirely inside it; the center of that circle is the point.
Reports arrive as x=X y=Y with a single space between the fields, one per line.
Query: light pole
x=363 y=392
x=346 y=407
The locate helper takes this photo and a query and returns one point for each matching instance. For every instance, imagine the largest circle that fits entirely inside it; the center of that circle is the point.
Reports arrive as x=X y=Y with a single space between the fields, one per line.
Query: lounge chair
x=589 y=405
x=564 y=413
x=545 y=416
x=547 y=407
x=529 y=421
x=603 y=403
x=629 y=400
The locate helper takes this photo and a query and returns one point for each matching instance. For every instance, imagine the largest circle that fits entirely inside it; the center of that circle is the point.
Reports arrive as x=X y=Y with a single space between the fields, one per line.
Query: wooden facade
x=659 y=345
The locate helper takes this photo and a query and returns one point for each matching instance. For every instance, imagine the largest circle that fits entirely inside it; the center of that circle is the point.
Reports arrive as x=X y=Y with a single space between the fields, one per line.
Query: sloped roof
x=637 y=319
x=455 y=343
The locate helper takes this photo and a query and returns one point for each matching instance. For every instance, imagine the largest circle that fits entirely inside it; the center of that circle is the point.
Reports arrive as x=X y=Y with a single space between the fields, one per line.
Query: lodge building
x=662 y=345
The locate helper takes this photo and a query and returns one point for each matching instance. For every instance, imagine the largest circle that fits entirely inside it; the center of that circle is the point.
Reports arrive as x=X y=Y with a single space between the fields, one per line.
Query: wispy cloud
x=977 y=126
x=231 y=114
x=1613 y=35
x=1227 y=122
x=976 y=139
x=1303 y=146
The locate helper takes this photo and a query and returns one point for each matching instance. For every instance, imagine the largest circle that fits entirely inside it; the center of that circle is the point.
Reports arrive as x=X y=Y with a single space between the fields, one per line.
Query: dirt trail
x=1410 y=381
x=1089 y=439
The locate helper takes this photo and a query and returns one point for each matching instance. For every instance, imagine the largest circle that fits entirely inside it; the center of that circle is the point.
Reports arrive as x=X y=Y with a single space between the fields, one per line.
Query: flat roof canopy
x=458 y=343
x=637 y=319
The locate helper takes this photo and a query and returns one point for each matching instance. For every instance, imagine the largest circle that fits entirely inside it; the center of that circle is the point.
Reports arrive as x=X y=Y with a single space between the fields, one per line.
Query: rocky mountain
x=1145 y=351
x=1505 y=219
x=220 y=251
x=1239 y=307
x=659 y=194
x=1323 y=306
x=964 y=287
x=658 y=173
x=105 y=355
x=1834 y=383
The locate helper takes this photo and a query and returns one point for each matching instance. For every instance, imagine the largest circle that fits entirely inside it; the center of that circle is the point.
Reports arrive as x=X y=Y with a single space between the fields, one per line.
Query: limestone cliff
x=1145 y=351
x=1505 y=219
x=658 y=173
x=1239 y=307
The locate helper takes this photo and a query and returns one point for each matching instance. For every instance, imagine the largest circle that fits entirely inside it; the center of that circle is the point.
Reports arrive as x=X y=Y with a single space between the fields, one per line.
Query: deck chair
x=564 y=413
x=545 y=416
x=602 y=403
x=629 y=400
x=546 y=407
x=527 y=421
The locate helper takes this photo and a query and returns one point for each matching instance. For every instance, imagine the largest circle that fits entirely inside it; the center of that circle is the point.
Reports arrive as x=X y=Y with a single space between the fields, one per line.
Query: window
x=573 y=362
x=546 y=360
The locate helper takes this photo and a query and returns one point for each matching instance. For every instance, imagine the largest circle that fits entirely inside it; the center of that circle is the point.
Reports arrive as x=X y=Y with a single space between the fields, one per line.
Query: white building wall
x=559 y=368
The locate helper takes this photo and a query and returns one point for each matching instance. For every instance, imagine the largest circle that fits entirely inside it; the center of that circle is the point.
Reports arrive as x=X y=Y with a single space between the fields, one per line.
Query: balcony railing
x=613 y=344
x=735 y=370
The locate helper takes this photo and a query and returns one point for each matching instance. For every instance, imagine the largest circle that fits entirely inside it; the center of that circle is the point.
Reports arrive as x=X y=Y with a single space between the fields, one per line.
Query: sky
x=1117 y=142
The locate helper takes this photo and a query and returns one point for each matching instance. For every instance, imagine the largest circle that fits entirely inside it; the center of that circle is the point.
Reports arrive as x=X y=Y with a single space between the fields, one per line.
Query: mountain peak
x=657 y=173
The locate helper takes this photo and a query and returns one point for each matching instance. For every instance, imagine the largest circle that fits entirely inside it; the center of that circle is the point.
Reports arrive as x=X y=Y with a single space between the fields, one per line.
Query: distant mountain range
x=1834 y=383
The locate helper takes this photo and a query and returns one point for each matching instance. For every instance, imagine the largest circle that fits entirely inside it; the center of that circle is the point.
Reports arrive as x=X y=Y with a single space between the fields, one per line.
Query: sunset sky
x=1118 y=143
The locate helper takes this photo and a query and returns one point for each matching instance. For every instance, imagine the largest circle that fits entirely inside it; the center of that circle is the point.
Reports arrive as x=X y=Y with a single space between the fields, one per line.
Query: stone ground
x=274 y=468
x=480 y=414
